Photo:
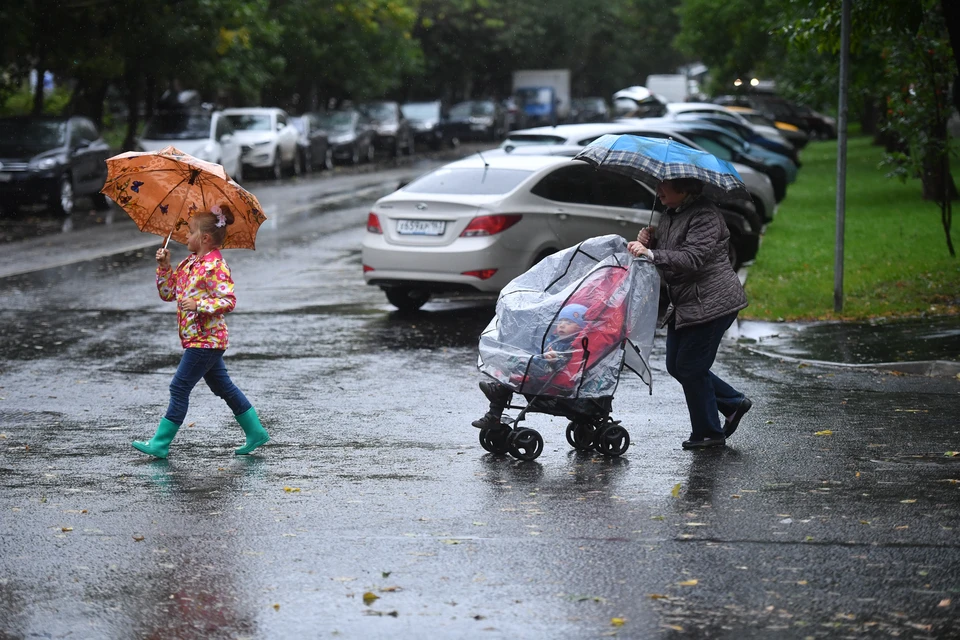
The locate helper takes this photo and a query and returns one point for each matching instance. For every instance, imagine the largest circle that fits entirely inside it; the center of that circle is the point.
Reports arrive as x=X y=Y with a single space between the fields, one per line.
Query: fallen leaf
x=191 y=424
x=802 y=582
x=390 y=589
x=370 y=597
x=688 y=583
x=656 y=517
x=617 y=622
x=66 y=528
x=675 y=627
x=676 y=490
x=138 y=538
x=910 y=501
x=902 y=527
x=825 y=432
x=952 y=454
x=657 y=596
x=277 y=606
x=944 y=603
x=385 y=574
x=291 y=489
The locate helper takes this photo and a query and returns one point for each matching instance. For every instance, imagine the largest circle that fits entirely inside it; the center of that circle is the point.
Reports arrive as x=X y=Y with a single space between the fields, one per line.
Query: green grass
x=896 y=261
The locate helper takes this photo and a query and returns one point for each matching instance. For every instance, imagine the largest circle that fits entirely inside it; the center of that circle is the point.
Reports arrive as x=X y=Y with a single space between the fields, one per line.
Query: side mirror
x=225 y=138
x=280 y=126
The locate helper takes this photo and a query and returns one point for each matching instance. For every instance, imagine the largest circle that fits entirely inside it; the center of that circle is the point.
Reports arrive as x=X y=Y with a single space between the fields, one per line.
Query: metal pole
x=841 y=156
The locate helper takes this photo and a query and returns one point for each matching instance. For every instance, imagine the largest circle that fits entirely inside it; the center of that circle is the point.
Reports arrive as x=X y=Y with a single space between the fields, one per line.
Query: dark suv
x=393 y=131
x=51 y=160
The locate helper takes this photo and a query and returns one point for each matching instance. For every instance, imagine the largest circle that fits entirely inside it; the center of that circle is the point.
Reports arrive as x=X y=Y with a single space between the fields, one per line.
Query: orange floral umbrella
x=162 y=189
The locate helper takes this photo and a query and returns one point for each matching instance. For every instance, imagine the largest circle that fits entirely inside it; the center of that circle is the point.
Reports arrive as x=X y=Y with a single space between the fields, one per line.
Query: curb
x=928 y=368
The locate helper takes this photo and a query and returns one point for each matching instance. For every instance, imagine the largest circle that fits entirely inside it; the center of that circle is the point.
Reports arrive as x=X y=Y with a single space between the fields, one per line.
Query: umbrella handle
x=167 y=241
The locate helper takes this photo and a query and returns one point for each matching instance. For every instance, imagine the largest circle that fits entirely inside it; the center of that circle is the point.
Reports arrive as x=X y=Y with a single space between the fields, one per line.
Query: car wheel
x=406 y=299
x=277 y=169
x=732 y=251
x=543 y=254
x=355 y=155
x=100 y=202
x=296 y=168
x=371 y=153
x=63 y=198
x=307 y=160
x=779 y=179
x=411 y=146
x=328 y=160
x=454 y=142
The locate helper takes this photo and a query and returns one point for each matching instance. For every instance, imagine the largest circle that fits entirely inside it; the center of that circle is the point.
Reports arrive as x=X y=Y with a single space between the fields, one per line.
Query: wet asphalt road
x=833 y=513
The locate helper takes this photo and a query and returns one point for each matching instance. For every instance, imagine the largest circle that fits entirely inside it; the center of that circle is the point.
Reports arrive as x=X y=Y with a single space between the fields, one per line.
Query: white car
x=758 y=184
x=475 y=224
x=267 y=138
x=204 y=135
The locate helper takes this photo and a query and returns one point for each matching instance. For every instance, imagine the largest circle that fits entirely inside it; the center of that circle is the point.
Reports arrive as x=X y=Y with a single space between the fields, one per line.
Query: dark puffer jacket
x=690 y=250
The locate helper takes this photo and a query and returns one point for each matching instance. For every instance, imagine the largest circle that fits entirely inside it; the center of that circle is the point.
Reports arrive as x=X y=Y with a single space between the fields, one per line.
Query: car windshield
x=523 y=139
x=467 y=109
x=19 y=135
x=177 y=126
x=250 y=122
x=480 y=181
x=421 y=111
x=336 y=120
x=381 y=111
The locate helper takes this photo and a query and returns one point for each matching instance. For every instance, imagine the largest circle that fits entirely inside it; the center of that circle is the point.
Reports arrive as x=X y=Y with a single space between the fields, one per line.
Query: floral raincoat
x=207 y=280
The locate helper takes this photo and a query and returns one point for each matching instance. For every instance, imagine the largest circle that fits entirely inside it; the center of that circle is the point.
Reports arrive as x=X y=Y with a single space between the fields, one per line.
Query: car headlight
x=261 y=145
x=48 y=163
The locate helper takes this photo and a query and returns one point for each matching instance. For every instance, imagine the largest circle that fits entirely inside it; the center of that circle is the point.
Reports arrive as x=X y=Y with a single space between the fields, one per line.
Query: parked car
x=203 y=134
x=766 y=136
x=430 y=124
x=350 y=135
x=483 y=120
x=393 y=131
x=795 y=135
x=593 y=109
x=312 y=144
x=758 y=184
x=268 y=141
x=727 y=145
x=475 y=224
x=52 y=161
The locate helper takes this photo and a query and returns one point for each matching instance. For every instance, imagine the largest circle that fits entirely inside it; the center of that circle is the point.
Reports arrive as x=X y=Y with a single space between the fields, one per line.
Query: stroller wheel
x=495 y=440
x=580 y=435
x=525 y=444
x=611 y=440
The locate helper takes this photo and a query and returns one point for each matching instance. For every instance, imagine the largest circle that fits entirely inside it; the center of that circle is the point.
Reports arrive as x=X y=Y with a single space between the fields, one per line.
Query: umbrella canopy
x=162 y=189
x=653 y=160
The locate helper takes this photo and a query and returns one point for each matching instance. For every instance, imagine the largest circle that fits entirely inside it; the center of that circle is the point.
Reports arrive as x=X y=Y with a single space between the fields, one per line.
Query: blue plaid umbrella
x=652 y=160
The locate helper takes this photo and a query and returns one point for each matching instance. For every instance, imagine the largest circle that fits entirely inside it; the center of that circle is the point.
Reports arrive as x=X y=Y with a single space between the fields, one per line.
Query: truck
x=542 y=97
x=672 y=86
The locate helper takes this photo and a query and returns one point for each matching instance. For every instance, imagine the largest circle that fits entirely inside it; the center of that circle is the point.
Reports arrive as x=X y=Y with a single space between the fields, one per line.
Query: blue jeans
x=206 y=364
x=690 y=354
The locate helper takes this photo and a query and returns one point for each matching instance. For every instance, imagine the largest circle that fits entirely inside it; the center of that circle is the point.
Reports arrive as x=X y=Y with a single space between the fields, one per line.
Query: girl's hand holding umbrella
x=163 y=258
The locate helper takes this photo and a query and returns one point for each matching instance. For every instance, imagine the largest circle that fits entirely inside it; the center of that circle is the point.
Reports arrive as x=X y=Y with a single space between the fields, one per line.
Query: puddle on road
x=860 y=343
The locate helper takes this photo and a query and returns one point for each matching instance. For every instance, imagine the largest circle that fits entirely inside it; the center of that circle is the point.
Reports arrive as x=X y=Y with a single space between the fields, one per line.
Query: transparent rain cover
x=613 y=295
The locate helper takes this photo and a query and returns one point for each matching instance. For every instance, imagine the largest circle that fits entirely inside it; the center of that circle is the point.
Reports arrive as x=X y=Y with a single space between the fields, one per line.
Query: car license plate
x=421 y=227
x=5 y=177
x=477 y=127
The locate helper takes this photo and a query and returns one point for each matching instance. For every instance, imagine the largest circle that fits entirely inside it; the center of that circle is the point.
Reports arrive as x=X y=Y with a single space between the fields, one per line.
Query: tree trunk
x=38 y=93
x=131 y=81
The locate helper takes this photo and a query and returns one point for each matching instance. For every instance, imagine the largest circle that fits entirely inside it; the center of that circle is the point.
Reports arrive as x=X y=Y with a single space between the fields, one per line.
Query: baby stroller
x=618 y=296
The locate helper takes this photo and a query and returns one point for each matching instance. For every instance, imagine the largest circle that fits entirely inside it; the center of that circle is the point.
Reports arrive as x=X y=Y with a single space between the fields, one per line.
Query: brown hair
x=690 y=186
x=207 y=223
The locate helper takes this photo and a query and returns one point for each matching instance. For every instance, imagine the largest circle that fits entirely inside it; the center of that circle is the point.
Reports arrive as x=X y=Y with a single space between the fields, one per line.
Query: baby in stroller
x=563 y=332
x=559 y=350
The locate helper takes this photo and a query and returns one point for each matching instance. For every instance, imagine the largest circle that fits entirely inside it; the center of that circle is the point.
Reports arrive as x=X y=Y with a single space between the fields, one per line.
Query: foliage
x=889 y=269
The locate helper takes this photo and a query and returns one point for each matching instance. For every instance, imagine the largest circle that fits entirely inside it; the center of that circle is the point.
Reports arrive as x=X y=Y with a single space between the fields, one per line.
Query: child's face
x=567 y=328
x=195 y=239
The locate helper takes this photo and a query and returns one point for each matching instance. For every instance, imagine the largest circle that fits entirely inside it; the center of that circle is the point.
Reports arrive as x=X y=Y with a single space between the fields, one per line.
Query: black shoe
x=733 y=420
x=488 y=421
x=704 y=443
x=496 y=393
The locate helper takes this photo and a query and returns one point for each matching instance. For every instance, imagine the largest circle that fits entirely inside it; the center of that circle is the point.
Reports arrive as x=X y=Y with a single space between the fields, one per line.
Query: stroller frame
x=592 y=430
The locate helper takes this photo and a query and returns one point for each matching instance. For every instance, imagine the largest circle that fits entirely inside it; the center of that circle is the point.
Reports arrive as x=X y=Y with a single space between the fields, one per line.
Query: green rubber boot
x=256 y=434
x=159 y=445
